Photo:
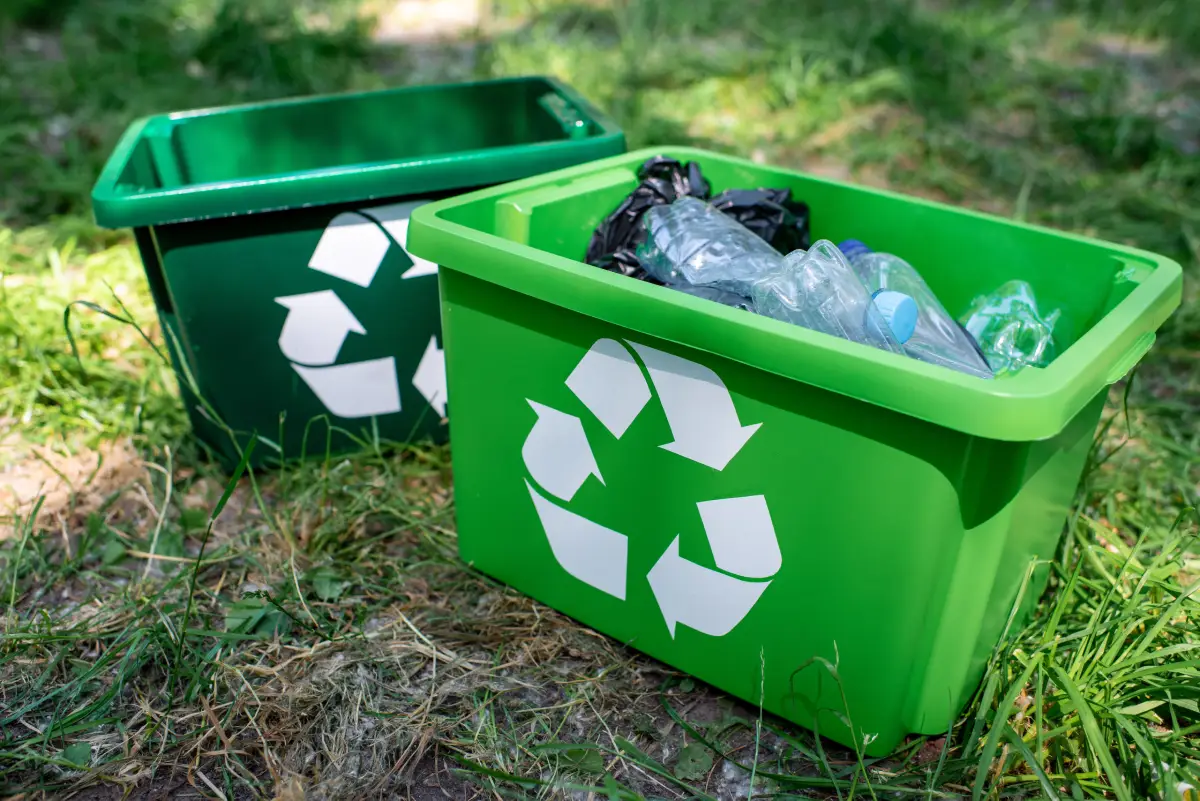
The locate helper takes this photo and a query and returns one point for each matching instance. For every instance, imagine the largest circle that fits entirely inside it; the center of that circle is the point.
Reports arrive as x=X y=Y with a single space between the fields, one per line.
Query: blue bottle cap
x=899 y=312
x=853 y=248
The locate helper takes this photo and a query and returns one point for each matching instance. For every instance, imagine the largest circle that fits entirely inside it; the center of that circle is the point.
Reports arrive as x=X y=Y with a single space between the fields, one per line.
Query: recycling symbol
x=704 y=423
x=352 y=247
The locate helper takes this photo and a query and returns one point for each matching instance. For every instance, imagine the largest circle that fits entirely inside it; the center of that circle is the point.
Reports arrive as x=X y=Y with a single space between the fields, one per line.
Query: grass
x=312 y=631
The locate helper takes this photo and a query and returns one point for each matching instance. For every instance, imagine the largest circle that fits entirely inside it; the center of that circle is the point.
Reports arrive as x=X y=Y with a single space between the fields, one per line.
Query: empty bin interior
x=961 y=255
x=406 y=125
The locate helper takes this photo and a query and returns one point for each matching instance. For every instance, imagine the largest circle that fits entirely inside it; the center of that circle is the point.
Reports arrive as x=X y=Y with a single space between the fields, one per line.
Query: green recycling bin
x=273 y=237
x=737 y=496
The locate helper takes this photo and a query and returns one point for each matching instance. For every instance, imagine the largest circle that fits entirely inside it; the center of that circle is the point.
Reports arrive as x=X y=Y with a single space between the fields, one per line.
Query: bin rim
x=1035 y=404
x=117 y=207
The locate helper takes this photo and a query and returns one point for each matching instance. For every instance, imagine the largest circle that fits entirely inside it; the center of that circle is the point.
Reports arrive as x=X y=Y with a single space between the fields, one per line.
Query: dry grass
x=66 y=487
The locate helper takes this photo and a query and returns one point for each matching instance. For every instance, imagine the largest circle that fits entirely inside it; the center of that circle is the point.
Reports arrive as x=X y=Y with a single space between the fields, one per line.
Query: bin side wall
x=868 y=508
x=1020 y=539
x=211 y=436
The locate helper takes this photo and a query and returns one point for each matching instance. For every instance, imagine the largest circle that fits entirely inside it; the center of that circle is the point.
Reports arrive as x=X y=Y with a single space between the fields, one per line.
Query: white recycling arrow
x=357 y=389
x=430 y=377
x=590 y=552
x=316 y=326
x=557 y=453
x=394 y=219
x=351 y=248
x=742 y=536
x=699 y=409
x=611 y=385
x=702 y=599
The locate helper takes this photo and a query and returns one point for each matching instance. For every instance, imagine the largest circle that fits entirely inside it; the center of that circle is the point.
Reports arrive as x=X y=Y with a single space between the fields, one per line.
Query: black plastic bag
x=625 y=262
x=769 y=213
x=663 y=181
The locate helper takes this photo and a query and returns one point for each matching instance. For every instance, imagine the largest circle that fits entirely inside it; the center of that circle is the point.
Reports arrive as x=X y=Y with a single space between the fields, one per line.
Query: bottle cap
x=852 y=249
x=899 y=311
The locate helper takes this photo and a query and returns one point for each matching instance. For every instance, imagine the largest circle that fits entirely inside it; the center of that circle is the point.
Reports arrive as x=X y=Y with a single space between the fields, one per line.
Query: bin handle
x=166 y=161
x=569 y=118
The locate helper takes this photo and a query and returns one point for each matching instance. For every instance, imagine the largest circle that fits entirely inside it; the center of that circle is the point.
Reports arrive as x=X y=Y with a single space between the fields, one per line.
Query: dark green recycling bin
x=273 y=237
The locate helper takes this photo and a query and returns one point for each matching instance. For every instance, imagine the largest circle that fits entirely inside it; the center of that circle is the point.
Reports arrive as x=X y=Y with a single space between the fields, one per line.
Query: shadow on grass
x=75 y=74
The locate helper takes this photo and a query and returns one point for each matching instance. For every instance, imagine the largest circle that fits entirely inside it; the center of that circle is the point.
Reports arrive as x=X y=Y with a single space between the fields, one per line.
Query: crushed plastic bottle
x=935 y=337
x=818 y=289
x=689 y=242
x=1009 y=328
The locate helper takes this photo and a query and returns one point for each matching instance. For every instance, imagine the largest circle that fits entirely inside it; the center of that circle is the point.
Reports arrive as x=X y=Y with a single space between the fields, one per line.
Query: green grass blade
x=1095 y=738
x=999 y=724
x=230 y=486
x=985 y=704
x=1015 y=740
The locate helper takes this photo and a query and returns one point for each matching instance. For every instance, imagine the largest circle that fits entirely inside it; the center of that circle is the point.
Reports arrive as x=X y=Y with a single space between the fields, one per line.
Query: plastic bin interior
x=908 y=502
x=292 y=215
x=348 y=147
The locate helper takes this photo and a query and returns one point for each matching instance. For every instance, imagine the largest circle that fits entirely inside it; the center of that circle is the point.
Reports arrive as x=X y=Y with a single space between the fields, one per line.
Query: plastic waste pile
x=691 y=243
x=750 y=249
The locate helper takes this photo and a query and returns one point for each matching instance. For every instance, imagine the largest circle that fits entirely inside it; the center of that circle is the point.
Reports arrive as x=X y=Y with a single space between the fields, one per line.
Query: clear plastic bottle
x=1011 y=331
x=690 y=242
x=936 y=338
x=818 y=289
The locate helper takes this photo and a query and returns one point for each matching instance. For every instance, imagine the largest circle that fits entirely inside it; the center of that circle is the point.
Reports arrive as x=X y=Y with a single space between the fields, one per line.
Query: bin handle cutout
x=568 y=117
x=164 y=156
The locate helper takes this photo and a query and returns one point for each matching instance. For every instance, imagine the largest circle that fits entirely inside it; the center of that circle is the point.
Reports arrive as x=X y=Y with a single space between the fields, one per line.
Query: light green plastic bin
x=735 y=495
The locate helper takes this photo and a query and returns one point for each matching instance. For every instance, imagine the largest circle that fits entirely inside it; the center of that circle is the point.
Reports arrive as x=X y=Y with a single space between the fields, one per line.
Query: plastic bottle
x=1011 y=331
x=690 y=242
x=935 y=336
x=818 y=289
